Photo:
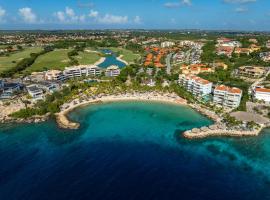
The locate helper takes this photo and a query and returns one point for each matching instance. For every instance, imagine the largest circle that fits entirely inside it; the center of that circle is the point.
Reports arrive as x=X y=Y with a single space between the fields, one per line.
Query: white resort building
x=227 y=96
x=82 y=70
x=112 y=71
x=195 y=84
x=55 y=75
x=262 y=94
x=35 y=92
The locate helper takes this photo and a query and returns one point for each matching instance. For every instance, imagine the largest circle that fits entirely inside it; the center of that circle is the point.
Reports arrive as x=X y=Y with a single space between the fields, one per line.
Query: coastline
x=218 y=129
x=64 y=122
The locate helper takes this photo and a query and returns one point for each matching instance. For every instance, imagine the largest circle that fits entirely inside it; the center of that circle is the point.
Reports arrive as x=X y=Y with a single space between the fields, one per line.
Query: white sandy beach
x=64 y=122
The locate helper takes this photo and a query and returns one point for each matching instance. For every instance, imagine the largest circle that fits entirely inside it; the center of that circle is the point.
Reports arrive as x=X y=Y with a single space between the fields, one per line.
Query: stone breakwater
x=64 y=122
x=219 y=129
x=211 y=131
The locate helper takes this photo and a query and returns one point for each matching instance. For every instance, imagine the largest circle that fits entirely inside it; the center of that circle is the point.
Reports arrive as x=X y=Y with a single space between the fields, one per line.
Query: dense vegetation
x=24 y=63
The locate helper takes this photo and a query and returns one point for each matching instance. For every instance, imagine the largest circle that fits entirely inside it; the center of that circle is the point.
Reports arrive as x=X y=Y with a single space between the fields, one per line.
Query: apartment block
x=195 y=84
x=227 y=96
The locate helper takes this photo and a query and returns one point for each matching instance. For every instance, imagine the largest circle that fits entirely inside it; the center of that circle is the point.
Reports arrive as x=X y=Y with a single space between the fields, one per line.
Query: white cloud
x=172 y=21
x=137 y=20
x=69 y=16
x=239 y=1
x=70 y=12
x=172 y=4
x=241 y=10
x=27 y=15
x=2 y=14
x=178 y=4
x=93 y=13
x=186 y=2
x=113 y=19
x=60 y=16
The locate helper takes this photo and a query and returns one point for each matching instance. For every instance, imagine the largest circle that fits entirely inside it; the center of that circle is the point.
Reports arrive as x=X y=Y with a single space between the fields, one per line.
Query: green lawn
x=85 y=58
x=56 y=59
x=7 y=62
x=128 y=55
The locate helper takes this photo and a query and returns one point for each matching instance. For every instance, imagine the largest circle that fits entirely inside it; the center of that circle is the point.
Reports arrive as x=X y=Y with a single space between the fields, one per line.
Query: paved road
x=168 y=63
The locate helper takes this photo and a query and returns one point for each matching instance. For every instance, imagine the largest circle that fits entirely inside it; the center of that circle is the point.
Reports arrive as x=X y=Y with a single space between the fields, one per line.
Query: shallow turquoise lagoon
x=131 y=150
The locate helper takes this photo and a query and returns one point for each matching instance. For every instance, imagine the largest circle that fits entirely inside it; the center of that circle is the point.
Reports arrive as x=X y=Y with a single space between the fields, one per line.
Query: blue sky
x=148 y=14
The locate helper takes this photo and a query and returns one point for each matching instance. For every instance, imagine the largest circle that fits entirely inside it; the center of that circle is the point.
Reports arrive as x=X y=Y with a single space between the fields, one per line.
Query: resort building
x=196 y=85
x=195 y=69
x=262 y=94
x=239 y=50
x=225 y=50
x=49 y=87
x=220 y=65
x=112 y=71
x=251 y=71
x=227 y=96
x=55 y=75
x=265 y=56
x=7 y=90
x=82 y=70
x=268 y=44
x=35 y=92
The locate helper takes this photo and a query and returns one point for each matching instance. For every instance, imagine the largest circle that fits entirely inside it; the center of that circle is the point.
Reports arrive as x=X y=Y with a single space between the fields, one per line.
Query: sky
x=136 y=14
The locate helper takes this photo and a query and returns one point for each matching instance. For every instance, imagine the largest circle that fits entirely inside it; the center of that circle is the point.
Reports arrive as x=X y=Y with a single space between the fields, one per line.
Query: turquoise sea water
x=111 y=60
x=131 y=150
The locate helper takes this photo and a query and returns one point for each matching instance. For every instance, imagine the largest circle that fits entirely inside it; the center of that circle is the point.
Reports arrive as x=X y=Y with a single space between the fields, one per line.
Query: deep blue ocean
x=131 y=150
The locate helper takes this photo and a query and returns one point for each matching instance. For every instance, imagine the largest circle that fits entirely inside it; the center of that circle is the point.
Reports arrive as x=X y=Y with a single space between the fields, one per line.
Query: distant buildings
x=220 y=65
x=253 y=40
x=225 y=50
x=239 y=50
x=227 y=96
x=268 y=44
x=112 y=71
x=265 y=56
x=226 y=42
x=154 y=57
x=252 y=48
x=251 y=71
x=196 y=85
x=196 y=69
x=167 y=44
x=226 y=46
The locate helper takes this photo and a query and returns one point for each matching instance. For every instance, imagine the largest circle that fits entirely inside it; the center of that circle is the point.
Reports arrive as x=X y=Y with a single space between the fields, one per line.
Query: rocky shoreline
x=34 y=119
